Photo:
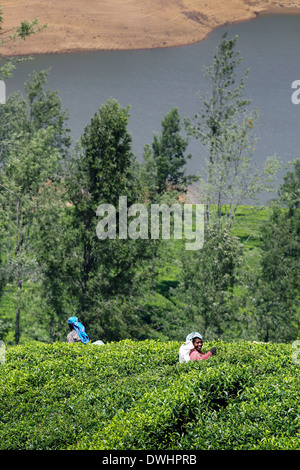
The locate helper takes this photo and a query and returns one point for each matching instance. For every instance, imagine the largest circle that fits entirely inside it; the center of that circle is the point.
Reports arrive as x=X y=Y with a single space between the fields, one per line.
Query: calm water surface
x=154 y=81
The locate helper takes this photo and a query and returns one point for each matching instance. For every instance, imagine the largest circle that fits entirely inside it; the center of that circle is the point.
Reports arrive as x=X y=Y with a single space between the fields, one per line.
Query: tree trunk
x=206 y=214
x=18 y=312
x=51 y=332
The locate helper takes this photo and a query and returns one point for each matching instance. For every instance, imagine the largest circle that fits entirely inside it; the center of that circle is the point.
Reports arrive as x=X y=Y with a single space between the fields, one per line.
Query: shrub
x=135 y=395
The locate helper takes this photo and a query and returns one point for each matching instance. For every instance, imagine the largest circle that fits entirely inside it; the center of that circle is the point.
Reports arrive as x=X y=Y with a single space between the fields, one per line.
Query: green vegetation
x=18 y=33
x=135 y=395
x=243 y=283
x=142 y=296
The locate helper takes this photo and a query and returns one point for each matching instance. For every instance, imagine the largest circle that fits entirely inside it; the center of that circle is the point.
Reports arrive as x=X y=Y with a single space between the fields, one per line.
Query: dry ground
x=84 y=25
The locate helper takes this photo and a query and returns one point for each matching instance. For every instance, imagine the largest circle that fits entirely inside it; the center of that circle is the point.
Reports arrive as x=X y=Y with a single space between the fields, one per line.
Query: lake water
x=154 y=81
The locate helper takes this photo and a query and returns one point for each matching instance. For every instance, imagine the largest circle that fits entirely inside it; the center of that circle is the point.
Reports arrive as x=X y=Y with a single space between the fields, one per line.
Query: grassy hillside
x=135 y=395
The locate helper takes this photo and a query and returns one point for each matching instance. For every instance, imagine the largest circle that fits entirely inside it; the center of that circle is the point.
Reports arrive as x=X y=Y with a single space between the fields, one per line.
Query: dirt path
x=77 y=25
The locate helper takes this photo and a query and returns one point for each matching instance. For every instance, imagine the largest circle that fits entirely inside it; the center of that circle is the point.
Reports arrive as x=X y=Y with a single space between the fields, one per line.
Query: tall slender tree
x=96 y=278
x=207 y=283
x=30 y=157
x=277 y=288
x=225 y=126
x=27 y=168
x=163 y=175
x=165 y=160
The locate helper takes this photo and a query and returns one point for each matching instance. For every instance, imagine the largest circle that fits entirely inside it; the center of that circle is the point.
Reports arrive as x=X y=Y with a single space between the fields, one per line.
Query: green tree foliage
x=7 y=65
x=21 y=116
x=94 y=278
x=30 y=157
x=165 y=161
x=225 y=127
x=103 y=172
x=208 y=278
x=100 y=175
x=227 y=97
x=125 y=287
x=277 y=292
x=21 y=178
x=163 y=179
x=52 y=231
x=21 y=32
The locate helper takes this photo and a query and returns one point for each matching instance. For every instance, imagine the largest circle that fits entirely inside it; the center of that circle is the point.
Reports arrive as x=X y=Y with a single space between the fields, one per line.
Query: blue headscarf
x=79 y=328
x=192 y=336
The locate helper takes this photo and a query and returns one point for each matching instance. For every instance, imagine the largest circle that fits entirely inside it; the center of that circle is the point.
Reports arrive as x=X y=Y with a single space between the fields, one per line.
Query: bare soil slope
x=78 y=25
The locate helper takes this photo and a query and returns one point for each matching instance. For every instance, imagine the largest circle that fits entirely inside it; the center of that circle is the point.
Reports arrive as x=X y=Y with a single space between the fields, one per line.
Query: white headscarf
x=185 y=349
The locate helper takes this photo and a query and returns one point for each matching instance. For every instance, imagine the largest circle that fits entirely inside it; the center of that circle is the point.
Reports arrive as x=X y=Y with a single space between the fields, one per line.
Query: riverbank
x=74 y=25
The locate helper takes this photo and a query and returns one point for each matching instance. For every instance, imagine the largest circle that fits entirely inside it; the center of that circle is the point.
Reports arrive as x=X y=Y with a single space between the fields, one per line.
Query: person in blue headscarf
x=77 y=333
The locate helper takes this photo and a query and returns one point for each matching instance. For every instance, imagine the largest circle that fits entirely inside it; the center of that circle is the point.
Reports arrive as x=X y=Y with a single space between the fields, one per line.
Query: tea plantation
x=136 y=396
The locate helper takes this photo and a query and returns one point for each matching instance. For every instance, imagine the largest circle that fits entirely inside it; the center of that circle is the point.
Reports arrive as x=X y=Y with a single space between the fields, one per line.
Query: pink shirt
x=197 y=356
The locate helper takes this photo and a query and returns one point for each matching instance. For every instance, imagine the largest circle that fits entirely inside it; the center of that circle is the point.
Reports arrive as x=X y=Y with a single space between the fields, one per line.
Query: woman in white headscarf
x=191 y=350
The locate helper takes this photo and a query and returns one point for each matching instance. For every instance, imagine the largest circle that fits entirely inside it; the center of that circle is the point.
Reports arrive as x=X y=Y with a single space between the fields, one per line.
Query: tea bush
x=135 y=395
